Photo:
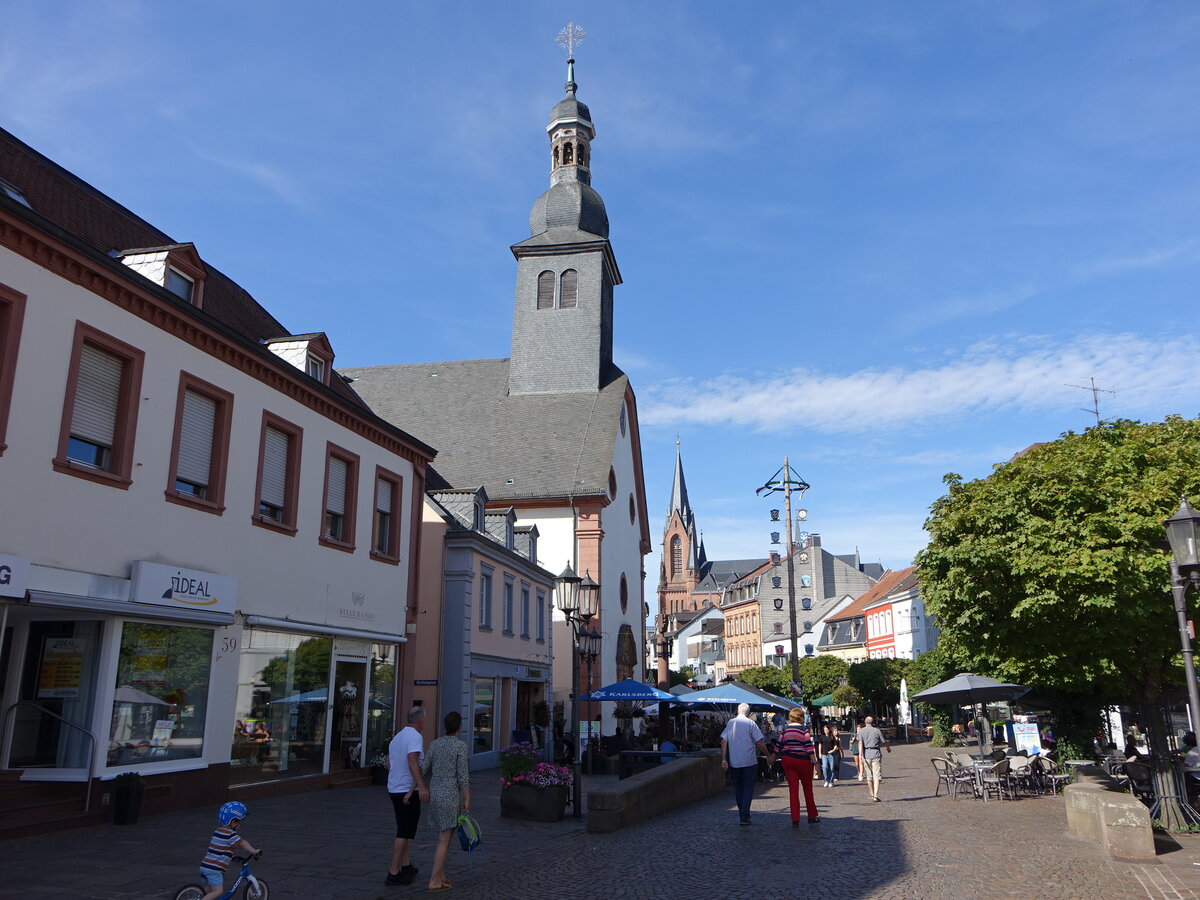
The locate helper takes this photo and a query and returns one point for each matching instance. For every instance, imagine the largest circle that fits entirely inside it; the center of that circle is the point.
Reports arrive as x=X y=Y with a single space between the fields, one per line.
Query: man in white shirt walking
x=739 y=741
x=407 y=790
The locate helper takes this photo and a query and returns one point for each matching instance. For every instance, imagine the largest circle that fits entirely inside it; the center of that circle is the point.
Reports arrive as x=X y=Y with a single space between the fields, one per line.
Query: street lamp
x=1181 y=531
x=578 y=600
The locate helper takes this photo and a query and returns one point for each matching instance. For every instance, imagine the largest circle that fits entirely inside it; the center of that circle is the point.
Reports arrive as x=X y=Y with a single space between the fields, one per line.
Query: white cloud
x=1027 y=373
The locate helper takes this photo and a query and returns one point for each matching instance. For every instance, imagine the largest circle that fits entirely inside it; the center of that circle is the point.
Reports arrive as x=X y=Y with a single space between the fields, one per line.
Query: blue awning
x=631 y=691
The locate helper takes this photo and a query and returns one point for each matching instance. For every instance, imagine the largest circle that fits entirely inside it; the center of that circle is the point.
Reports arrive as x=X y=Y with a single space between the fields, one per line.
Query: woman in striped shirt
x=796 y=753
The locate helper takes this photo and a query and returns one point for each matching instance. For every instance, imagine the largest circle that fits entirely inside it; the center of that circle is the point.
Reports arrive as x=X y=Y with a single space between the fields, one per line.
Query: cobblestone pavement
x=336 y=844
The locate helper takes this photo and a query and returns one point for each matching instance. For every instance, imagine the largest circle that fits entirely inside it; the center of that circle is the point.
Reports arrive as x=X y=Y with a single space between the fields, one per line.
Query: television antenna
x=1096 y=392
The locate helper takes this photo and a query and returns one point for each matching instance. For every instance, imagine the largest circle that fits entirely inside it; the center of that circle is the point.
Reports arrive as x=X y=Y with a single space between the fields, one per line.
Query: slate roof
x=721 y=572
x=69 y=209
x=529 y=447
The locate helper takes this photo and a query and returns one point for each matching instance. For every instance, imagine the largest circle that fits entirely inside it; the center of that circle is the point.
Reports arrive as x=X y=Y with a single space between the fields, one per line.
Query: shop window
x=280 y=719
x=483 y=724
x=100 y=413
x=341 y=498
x=161 y=700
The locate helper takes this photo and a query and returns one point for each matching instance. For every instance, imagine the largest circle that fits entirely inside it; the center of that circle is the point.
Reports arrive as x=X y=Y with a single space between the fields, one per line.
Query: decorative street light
x=788 y=480
x=1181 y=531
x=578 y=600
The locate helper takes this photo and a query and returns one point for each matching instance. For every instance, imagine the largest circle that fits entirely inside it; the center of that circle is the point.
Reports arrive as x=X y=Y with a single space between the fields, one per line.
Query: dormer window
x=10 y=190
x=176 y=267
x=310 y=353
x=180 y=285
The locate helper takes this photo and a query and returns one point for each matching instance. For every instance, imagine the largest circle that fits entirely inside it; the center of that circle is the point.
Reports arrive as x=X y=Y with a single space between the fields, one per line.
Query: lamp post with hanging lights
x=578 y=600
x=787 y=480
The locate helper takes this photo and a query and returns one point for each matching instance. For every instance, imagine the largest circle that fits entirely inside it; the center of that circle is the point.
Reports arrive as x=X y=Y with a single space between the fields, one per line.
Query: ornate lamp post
x=1170 y=805
x=578 y=600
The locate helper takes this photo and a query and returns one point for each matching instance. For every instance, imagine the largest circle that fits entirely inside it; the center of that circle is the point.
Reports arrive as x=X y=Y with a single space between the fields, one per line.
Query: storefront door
x=56 y=669
x=349 y=707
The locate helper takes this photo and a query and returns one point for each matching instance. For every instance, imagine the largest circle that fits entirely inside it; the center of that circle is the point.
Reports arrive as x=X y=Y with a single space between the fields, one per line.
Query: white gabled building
x=208 y=537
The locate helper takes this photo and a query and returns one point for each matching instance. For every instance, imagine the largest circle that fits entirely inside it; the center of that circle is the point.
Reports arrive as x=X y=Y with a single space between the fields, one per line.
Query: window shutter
x=545 y=291
x=570 y=288
x=97 y=396
x=196 y=438
x=275 y=465
x=336 y=490
x=383 y=496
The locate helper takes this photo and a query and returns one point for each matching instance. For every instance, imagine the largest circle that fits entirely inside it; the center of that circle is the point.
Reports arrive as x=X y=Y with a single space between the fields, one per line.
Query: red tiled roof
x=890 y=581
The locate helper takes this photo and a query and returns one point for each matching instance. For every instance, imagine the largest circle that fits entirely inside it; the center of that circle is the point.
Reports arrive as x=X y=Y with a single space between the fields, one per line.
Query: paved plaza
x=335 y=844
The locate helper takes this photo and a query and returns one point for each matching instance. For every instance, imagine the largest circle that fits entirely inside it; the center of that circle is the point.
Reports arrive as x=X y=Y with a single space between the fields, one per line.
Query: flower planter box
x=533 y=804
x=127 y=803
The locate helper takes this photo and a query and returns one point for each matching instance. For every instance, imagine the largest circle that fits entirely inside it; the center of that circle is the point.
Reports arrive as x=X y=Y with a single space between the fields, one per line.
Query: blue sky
x=880 y=238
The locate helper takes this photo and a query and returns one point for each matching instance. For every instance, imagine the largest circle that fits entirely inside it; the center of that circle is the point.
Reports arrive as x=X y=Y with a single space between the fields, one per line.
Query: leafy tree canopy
x=769 y=678
x=1048 y=572
x=878 y=680
x=847 y=695
x=821 y=674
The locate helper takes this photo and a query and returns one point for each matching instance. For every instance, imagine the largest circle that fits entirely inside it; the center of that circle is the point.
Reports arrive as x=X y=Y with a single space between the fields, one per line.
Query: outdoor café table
x=979 y=767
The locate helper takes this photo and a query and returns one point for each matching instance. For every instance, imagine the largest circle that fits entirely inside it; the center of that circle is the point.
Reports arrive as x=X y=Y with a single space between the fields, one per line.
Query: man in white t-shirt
x=739 y=741
x=407 y=791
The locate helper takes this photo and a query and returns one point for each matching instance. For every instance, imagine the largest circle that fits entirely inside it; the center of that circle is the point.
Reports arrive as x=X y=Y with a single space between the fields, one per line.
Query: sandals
x=444 y=886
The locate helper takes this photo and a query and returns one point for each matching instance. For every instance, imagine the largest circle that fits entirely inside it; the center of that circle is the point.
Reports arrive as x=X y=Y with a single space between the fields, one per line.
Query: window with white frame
x=315 y=366
x=525 y=611
x=541 y=615
x=485 y=599
x=508 y=605
x=180 y=285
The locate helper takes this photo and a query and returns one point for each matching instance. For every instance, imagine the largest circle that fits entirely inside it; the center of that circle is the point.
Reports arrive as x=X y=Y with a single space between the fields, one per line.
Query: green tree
x=821 y=674
x=769 y=678
x=924 y=672
x=847 y=695
x=879 y=680
x=1048 y=572
x=683 y=676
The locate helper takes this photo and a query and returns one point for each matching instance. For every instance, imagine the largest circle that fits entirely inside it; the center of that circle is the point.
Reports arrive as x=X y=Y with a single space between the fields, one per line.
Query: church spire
x=679 y=496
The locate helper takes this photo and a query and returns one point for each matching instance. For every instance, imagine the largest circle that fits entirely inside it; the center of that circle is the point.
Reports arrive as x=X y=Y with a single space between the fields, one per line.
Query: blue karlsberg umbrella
x=630 y=690
x=735 y=693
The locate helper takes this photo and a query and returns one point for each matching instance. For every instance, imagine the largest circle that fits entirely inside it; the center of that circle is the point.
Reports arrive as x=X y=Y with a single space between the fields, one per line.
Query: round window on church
x=624 y=593
x=612 y=484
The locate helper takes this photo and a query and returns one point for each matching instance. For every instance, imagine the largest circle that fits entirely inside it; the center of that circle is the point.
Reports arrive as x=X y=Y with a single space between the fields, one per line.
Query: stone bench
x=1099 y=810
x=669 y=786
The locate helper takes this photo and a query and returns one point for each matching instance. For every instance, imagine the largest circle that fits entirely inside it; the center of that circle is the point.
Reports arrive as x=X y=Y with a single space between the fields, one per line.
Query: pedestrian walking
x=829 y=750
x=407 y=791
x=856 y=750
x=445 y=768
x=739 y=741
x=873 y=744
x=796 y=750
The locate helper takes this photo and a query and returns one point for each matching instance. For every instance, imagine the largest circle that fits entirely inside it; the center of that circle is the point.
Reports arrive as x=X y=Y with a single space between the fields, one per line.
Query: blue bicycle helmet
x=230 y=811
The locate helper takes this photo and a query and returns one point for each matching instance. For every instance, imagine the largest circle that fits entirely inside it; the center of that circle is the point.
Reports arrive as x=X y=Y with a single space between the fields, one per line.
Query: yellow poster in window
x=62 y=669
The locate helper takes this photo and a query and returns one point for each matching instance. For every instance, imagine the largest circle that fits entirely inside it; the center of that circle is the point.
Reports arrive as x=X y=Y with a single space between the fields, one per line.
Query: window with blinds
x=341 y=475
x=545 y=291
x=197 y=432
x=96 y=407
x=276 y=452
x=386 y=539
x=568 y=289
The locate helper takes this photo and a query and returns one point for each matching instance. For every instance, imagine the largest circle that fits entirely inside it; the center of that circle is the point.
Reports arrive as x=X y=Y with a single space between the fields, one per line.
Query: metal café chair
x=953 y=777
x=996 y=780
x=1048 y=776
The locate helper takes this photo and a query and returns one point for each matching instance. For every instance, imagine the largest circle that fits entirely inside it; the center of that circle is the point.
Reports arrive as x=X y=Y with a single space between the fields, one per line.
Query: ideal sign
x=14 y=576
x=170 y=586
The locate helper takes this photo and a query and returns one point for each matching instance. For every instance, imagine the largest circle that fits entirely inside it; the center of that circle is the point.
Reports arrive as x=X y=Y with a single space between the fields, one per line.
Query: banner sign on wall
x=14 y=576
x=171 y=586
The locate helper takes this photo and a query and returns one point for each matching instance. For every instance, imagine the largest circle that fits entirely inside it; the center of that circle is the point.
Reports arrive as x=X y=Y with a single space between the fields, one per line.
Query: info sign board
x=61 y=671
x=1025 y=737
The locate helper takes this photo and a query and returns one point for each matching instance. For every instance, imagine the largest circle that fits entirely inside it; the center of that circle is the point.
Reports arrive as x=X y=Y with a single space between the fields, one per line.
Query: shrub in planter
x=530 y=788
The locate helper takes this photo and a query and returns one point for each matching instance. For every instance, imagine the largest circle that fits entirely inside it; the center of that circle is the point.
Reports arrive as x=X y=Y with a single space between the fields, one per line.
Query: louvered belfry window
x=193 y=473
x=545 y=291
x=97 y=405
x=676 y=557
x=335 y=502
x=276 y=447
x=567 y=296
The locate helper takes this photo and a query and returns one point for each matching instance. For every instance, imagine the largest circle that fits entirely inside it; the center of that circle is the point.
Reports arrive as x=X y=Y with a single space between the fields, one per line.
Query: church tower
x=682 y=550
x=566 y=271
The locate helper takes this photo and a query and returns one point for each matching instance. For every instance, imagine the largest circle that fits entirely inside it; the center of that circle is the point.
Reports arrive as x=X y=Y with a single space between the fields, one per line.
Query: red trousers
x=799 y=772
